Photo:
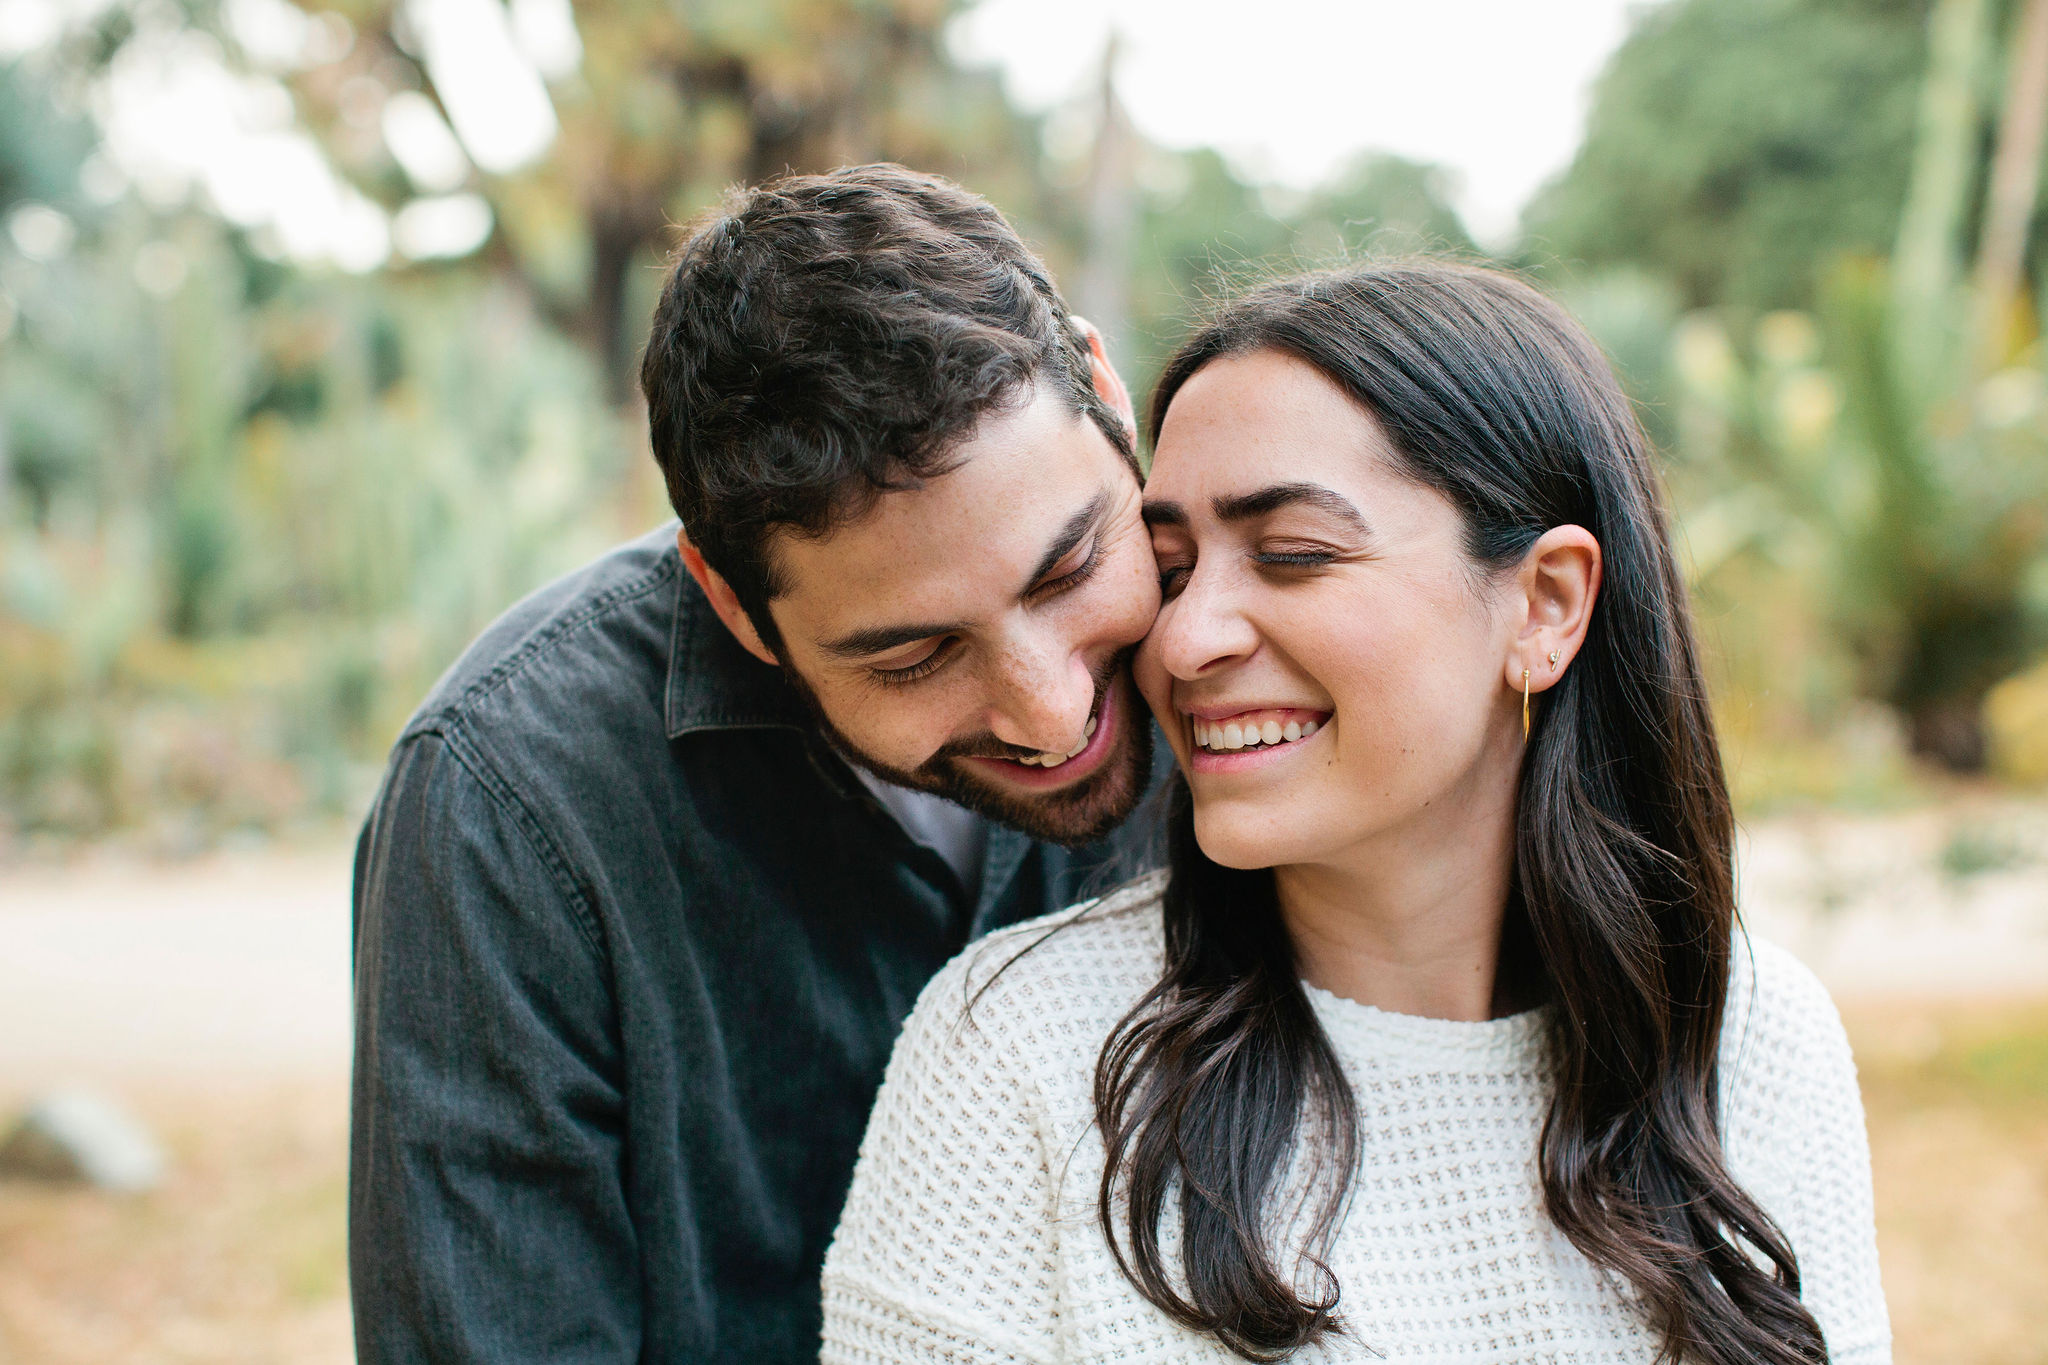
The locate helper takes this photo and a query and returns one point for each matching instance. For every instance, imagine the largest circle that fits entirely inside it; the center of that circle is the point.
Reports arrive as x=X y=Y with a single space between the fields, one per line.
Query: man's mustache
x=986 y=745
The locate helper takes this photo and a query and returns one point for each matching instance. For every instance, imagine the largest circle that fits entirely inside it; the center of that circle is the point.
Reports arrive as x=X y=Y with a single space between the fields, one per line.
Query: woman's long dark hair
x=1622 y=889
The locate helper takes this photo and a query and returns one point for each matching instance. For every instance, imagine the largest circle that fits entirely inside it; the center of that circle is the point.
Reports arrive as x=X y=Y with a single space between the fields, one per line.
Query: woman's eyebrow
x=1244 y=506
x=1163 y=513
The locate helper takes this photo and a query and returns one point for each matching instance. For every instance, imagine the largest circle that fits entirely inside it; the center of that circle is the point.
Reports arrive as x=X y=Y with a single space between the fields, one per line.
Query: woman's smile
x=1224 y=738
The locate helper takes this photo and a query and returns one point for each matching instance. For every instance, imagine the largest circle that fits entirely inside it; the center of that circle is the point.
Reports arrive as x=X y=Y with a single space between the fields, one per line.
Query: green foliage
x=1866 y=506
x=285 y=506
x=675 y=104
x=43 y=146
x=1735 y=147
x=1203 y=232
x=1951 y=504
x=1972 y=851
x=1383 y=204
x=1889 y=545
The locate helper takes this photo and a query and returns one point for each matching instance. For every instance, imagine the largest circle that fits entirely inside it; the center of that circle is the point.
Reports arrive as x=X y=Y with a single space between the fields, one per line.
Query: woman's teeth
x=1225 y=736
x=1054 y=760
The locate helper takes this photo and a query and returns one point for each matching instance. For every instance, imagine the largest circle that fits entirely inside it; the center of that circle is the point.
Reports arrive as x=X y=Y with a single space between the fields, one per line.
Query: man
x=661 y=865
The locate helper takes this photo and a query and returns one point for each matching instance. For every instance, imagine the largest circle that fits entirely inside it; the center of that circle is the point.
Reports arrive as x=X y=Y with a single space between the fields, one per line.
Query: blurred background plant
x=269 y=459
x=1808 y=230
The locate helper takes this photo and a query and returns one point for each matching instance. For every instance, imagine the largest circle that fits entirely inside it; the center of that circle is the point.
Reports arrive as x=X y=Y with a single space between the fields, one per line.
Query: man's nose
x=1044 y=694
x=1202 y=628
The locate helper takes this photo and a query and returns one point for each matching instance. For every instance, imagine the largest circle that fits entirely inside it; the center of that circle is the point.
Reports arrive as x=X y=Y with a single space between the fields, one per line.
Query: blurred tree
x=1737 y=146
x=48 y=415
x=1382 y=203
x=41 y=145
x=1935 y=591
x=1204 y=230
x=1201 y=230
x=1890 y=445
x=1917 y=482
x=671 y=104
x=1936 y=523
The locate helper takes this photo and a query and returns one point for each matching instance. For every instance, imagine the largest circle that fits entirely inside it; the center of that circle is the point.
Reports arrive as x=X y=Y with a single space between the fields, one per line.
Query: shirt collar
x=713 y=683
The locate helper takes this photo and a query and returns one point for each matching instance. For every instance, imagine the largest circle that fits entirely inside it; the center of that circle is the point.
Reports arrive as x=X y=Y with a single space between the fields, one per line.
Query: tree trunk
x=1102 y=293
x=1950 y=732
x=2015 y=180
x=1929 y=246
x=617 y=232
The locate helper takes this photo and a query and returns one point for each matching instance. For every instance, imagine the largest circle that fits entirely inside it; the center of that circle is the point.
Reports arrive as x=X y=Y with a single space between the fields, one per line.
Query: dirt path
x=235 y=965
x=1941 y=902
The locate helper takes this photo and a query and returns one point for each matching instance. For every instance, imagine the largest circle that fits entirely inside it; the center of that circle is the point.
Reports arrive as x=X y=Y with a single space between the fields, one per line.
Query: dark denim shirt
x=631 y=949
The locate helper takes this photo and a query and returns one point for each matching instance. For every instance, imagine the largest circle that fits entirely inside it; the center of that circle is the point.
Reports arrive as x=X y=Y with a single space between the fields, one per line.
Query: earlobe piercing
x=1525 y=696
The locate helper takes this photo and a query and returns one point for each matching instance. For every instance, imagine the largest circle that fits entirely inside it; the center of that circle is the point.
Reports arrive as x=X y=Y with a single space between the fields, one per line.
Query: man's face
x=971 y=637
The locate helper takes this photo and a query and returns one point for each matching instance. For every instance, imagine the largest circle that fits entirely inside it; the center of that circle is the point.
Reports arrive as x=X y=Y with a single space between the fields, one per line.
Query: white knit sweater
x=971 y=1232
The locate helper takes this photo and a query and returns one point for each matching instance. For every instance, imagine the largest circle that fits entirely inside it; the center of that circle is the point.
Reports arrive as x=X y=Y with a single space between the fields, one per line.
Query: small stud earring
x=1553 y=658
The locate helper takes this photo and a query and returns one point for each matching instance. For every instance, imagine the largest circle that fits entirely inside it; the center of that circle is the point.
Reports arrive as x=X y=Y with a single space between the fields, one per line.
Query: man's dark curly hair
x=823 y=339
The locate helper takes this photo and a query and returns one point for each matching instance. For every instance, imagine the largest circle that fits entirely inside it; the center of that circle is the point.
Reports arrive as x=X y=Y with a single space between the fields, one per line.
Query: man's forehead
x=963 y=541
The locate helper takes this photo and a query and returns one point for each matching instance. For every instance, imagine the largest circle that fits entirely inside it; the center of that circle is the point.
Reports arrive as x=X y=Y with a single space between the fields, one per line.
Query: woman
x=1437 y=1038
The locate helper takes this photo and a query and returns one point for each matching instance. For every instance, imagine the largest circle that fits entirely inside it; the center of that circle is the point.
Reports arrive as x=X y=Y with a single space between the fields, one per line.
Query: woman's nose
x=1200 y=629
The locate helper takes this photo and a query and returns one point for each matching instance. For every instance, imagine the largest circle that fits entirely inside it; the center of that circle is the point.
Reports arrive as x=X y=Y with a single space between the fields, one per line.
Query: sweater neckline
x=1384 y=1034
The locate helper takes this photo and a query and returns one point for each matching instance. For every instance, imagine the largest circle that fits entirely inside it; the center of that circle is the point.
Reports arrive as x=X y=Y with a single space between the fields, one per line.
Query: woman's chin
x=1239 y=840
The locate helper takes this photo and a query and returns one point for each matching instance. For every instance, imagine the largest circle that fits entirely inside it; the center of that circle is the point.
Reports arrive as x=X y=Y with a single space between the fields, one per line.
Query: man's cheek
x=904 y=746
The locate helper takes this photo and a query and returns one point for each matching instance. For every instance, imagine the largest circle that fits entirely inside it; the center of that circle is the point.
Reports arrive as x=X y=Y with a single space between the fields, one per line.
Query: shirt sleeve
x=487 y=1213
x=946 y=1248
x=1796 y=1139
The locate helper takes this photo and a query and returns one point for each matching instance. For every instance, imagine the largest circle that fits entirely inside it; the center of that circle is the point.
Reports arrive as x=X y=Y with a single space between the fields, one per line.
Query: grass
x=1957 y=1098
x=240 y=1258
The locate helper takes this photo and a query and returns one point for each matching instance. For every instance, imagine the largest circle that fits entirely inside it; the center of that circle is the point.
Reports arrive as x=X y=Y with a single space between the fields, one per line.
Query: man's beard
x=1076 y=814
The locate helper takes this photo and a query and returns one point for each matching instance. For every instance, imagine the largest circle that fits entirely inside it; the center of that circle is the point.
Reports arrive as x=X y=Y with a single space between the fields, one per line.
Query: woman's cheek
x=1154 y=684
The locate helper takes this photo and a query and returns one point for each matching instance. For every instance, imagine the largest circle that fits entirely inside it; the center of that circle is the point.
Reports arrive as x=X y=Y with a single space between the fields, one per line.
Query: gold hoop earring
x=1525 y=706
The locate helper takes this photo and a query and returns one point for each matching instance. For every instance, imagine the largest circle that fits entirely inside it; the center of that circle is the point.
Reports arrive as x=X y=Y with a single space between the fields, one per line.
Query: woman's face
x=1312 y=590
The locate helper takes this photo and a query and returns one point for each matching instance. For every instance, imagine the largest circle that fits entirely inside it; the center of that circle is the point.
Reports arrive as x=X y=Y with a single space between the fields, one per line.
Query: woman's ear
x=1109 y=385
x=1557 y=585
x=724 y=600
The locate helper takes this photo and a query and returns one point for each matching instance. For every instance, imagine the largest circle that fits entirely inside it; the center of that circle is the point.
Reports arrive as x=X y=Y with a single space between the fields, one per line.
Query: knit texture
x=971 y=1234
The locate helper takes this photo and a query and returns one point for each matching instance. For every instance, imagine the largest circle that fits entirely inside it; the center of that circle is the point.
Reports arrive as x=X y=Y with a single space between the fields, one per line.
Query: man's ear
x=1109 y=385
x=724 y=601
x=1558 y=583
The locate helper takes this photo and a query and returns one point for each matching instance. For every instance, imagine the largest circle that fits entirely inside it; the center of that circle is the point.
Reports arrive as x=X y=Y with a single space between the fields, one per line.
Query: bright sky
x=1494 y=89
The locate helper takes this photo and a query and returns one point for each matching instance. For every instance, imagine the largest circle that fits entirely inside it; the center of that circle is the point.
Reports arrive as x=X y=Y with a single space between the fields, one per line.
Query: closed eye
x=922 y=668
x=1294 y=559
x=1074 y=578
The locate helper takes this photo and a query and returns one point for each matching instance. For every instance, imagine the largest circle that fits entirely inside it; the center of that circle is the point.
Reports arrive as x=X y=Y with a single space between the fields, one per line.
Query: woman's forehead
x=1263 y=417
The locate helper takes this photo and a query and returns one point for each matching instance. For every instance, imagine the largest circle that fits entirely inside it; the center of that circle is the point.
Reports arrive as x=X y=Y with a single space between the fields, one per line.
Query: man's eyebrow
x=1078 y=525
x=860 y=644
x=1244 y=506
